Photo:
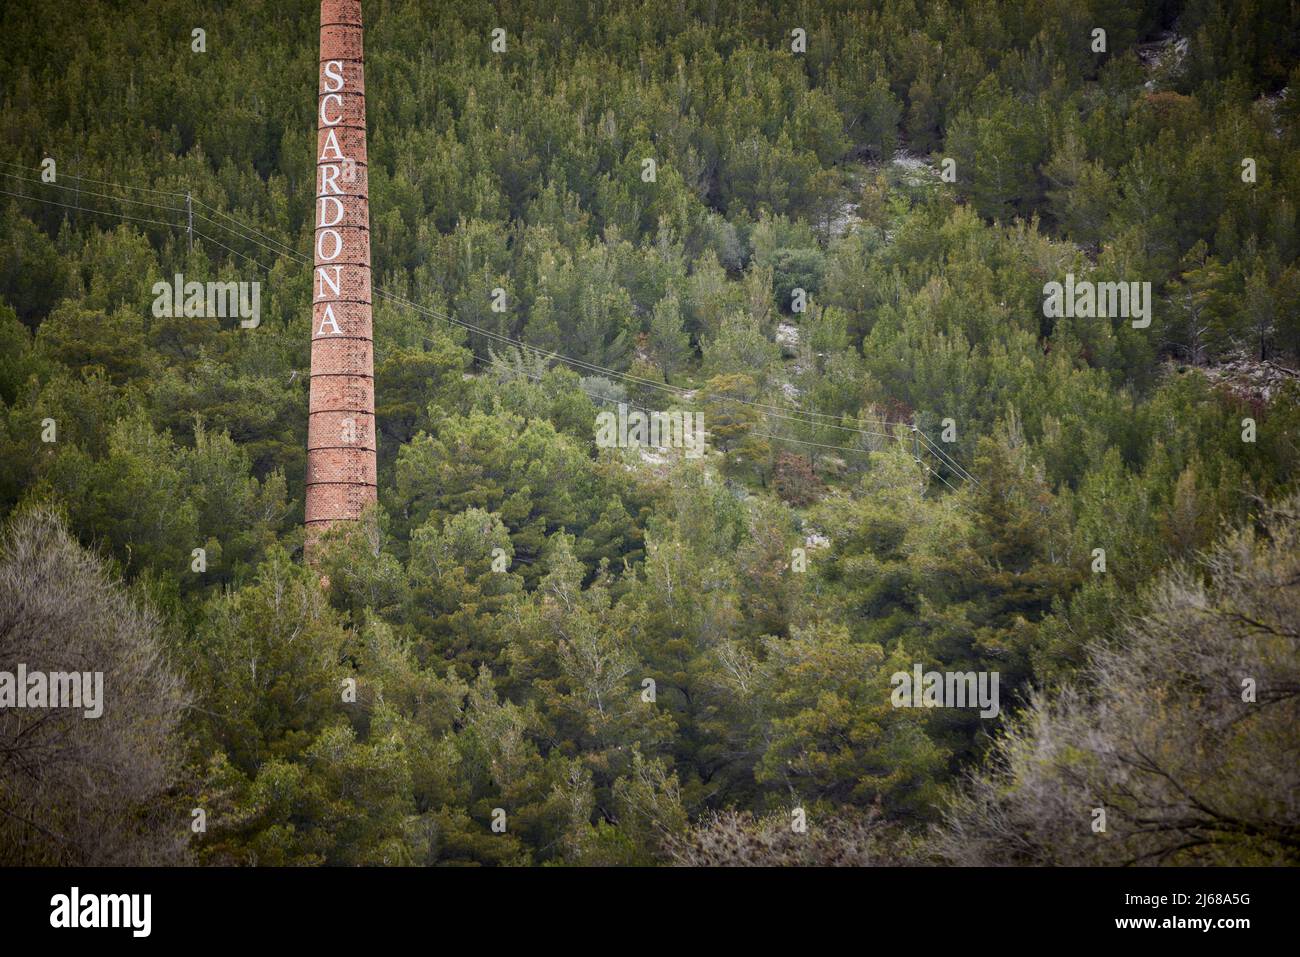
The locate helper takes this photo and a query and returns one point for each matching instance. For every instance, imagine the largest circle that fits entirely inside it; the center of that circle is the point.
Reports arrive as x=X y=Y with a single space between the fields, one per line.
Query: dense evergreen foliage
x=777 y=174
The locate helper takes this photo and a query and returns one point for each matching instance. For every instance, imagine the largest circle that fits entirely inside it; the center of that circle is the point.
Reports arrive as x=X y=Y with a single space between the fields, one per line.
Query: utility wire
x=800 y=416
x=776 y=411
x=87 y=192
x=284 y=249
x=100 y=182
x=640 y=408
x=254 y=235
x=88 y=209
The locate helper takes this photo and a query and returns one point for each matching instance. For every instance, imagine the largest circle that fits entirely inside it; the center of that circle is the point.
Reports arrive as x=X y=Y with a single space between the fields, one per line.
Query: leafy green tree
x=668 y=339
x=462 y=585
x=834 y=734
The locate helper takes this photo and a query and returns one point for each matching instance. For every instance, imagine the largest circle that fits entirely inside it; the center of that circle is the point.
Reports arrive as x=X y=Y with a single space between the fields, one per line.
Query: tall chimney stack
x=341 y=470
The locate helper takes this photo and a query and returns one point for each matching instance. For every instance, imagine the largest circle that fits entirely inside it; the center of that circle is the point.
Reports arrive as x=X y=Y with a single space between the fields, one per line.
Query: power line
x=88 y=209
x=773 y=411
x=626 y=377
x=71 y=189
x=952 y=463
x=779 y=438
x=284 y=249
x=800 y=417
x=776 y=411
x=640 y=408
x=100 y=182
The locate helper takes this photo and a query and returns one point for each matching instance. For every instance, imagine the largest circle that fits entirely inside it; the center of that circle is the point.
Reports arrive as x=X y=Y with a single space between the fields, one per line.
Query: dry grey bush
x=738 y=839
x=75 y=790
x=1188 y=772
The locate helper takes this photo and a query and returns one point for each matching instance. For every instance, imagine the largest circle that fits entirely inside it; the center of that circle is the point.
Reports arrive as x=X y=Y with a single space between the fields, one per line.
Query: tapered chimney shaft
x=341 y=479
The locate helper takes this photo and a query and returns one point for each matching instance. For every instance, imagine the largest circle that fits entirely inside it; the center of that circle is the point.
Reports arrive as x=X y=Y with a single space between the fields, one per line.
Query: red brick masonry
x=341 y=420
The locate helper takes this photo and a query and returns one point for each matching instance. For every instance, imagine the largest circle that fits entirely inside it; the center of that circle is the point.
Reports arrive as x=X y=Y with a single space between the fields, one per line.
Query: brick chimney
x=341 y=417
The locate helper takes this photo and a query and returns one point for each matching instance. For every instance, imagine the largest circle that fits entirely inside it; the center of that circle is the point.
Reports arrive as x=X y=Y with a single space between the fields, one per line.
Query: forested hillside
x=548 y=652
